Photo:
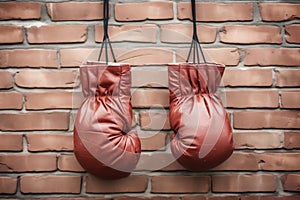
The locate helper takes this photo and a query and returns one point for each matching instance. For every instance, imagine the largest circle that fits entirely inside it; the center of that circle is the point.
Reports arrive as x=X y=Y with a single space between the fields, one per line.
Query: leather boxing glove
x=104 y=143
x=203 y=135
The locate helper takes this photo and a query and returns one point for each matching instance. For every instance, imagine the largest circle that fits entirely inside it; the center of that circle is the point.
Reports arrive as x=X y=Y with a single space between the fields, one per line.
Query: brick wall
x=43 y=43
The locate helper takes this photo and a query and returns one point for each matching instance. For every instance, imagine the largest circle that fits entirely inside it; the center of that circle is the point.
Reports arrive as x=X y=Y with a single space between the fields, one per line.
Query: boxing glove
x=202 y=137
x=104 y=143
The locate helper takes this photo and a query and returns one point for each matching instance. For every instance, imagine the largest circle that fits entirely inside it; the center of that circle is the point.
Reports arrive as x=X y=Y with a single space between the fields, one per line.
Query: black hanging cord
x=106 y=40
x=195 y=45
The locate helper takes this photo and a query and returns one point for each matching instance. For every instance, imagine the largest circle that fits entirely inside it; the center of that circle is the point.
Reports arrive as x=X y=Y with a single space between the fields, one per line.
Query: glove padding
x=104 y=143
x=203 y=135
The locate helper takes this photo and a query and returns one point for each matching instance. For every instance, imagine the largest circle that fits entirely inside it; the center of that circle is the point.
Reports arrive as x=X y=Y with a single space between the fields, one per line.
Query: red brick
x=211 y=198
x=49 y=142
x=249 y=34
x=76 y=57
x=133 y=183
x=8 y=185
x=290 y=99
x=27 y=162
x=146 y=33
x=142 y=98
x=69 y=163
x=251 y=99
x=11 y=34
x=291 y=182
x=11 y=100
x=257 y=140
x=28 y=58
x=279 y=161
x=143 y=11
x=50 y=184
x=153 y=141
x=75 y=11
x=34 y=121
x=53 y=100
x=279 y=11
x=251 y=77
x=147 y=198
x=287 y=77
x=67 y=33
x=147 y=56
x=47 y=79
x=163 y=162
x=272 y=56
x=292 y=33
x=182 y=33
x=244 y=183
x=239 y=162
x=149 y=78
x=266 y=119
x=11 y=142
x=20 y=10
x=226 y=56
x=180 y=184
x=260 y=197
x=154 y=120
x=292 y=140
x=217 y=12
x=6 y=81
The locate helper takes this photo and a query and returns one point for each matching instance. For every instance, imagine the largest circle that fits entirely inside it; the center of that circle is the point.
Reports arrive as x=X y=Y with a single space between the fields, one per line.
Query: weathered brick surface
x=69 y=163
x=244 y=183
x=49 y=142
x=182 y=33
x=20 y=10
x=11 y=100
x=6 y=81
x=226 y=56
x=11 y=34
x=153 y=141
x=287 y=77
x=251 y=99
x=279 y=161
x=128 y=33
x=28 y=58
x=290 y=99
x=62 y=11
x=135 y=183
x=154 y=120
x=28 y=163
x=257 y=140
x=291 y=33
x=47 y=79
x=52 y=100
x=292 y=140
x=8 y=185
x=57 y=34
x=291 y=182
x=11 y=142
x=149 y=78
x=50 y=184
x=217 y=12
x=279 y=11
x=272 y=56
x=150 y=98
x=242 y=34
x=34 y=121
x=143 y=10
x=253 y=77
x=285 y=119
x=180 y=184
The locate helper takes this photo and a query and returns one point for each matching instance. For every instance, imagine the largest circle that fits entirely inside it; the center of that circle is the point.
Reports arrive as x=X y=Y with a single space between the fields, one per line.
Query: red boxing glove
x=203 y=137
x=104 y=143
